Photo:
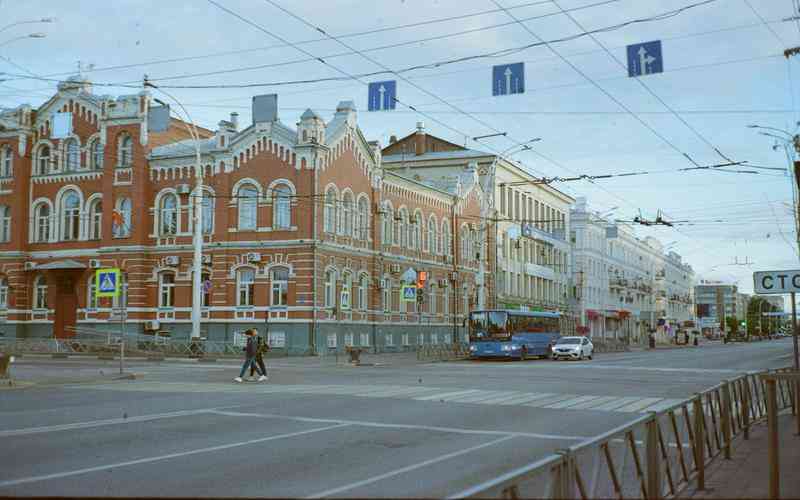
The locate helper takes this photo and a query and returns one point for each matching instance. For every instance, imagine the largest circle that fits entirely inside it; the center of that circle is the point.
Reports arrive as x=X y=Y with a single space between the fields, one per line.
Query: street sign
x=508 y=79
x=645 y=59
x=766 y=282
x=381 y=95
x=409 y=293
x=410 y=276
x=107 y=282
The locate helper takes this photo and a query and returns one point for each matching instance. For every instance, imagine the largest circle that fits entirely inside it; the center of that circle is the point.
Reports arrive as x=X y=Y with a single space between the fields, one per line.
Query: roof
x=308 y=114
x=61 y=264
x=175 y=133
x=437 y=155
x=183 y=148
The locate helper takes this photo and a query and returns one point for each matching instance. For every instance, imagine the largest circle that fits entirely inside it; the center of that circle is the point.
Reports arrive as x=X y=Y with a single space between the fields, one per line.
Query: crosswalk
x=552 y=401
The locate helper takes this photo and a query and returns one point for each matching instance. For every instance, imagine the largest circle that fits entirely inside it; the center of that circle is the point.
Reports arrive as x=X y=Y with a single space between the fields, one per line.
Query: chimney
x=235 y=120
x=419 y=139
x=392 y=139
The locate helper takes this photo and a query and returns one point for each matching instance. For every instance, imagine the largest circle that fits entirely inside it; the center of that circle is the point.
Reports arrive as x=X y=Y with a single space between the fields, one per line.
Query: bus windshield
x=491 y=325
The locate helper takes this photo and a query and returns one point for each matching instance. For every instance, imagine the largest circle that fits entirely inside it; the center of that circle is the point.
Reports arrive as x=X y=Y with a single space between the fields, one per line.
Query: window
x=433 y=239
x=5 y=224
x=421 y=339
x=168 y=212
x=122 y=299
x=122 y=218
x=125 y=153
x=96 y=155
x=402 y=228
x=404 y=339
x=365 y=339
x=446 y=303
x=386 y=292
x=434 y=338
x=40 y=293
x=205 y=296
x=363 y=219
x=166 y=289
x=330 y=288
x=95 y=219
x=70 y=216
x=363 y=293
x=91 y=297
x=345 y=293
x=41 y=223
x=280 y=286
x=3 y=292
x=446 y=249
x=348 y=340
x=432 y=301
x=282 y=206
x=389 y=340
x=387 y=229
x=248 y=207
x=6 y=158
x=347 y=213
x=329 y=215
x=416 y=231
x=73 y=152
x=245 y=286
x=207 y=212
x=43 y=165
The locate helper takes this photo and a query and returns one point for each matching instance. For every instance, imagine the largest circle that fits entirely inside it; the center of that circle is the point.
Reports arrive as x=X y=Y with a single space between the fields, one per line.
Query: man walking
x=250 y=356
x=261 y=348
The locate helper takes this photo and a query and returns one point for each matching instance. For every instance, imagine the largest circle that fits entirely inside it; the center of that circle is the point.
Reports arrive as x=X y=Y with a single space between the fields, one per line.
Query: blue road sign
x=107 y=281
x=645 y=58
x=409 y=293
x=508 y=79
x=381 y=95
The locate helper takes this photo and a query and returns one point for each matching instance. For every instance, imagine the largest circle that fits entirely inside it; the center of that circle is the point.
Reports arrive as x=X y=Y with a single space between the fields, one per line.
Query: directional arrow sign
x=645 y=59
x=508 y=79
x=381 y=95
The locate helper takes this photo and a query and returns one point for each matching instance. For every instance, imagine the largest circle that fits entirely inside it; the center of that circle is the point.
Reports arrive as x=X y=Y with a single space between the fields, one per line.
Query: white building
x=625 y=286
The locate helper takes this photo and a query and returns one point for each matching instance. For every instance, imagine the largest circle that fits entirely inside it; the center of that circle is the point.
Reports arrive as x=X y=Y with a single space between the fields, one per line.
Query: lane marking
x=589 y=405
x=639 y=405
x=657 y=369
x=550 y=400
x=527 y=398
x=472 y=398
x=571 y=403
x=409 y=468
x=88 y=470
x=443 y=395
x=366 y=423
x=617 y=402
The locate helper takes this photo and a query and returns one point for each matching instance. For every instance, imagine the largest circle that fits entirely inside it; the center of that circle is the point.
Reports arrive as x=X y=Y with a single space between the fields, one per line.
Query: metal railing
x=656 y=455
x=443 y=352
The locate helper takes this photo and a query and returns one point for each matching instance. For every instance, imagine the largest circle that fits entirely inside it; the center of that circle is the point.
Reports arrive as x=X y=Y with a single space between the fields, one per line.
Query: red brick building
x=302 y=227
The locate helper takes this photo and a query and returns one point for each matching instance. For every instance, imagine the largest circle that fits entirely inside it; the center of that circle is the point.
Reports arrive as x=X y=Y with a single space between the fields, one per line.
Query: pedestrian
x=250 y=356
x=261 y=348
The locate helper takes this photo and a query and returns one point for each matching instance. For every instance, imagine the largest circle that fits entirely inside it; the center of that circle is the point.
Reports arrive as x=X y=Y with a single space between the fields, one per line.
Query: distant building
x=715 y=299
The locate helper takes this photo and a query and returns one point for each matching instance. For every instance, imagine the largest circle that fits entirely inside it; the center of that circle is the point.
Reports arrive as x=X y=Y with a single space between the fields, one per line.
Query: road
x=397 y=428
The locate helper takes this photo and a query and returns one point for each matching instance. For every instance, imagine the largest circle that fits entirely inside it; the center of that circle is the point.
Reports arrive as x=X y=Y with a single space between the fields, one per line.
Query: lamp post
x=197 y=203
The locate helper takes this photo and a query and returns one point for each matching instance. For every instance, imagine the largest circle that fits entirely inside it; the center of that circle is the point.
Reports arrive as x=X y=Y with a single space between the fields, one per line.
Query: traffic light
x=420 y=296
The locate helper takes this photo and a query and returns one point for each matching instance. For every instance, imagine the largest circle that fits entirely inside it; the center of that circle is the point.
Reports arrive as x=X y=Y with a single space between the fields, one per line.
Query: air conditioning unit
x=206 y=260
x=172 y=260
x=151 y=325
x=395 y=268
x=29 y=266
x=183 y=189
x=95 y=263
x=253 y=257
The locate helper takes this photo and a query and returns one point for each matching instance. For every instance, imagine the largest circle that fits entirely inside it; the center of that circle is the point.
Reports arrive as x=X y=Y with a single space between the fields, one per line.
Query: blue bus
x=513 y=334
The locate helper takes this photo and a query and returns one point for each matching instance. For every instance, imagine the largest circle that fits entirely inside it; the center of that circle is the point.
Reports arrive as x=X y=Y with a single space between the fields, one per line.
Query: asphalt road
x=397 y=428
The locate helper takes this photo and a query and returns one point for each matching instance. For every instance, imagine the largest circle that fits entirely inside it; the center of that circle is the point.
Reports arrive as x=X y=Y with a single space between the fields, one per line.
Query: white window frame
x=282 y=207
x=40 y=293
x=329 y=211
x=3 y=292
x=363 y=219
x=348 y=214
x=96 y=155
x=91 y=297
x=279 y=286
x=363 y=293
x=364 y=340
x=166 y=290
x=404 y=338
x=70 y=218
x=5 y=223
x=348 y=340
x=6 y=168
x=169 y=213
x=330 y=288
x=125 y=151
x=421 y=338
x=96 y=219
x=43 y=160
x=245 y=290
x=72 y=155
x=42 y=223
x=386 y=293
x=247 y=208
x=124 y=230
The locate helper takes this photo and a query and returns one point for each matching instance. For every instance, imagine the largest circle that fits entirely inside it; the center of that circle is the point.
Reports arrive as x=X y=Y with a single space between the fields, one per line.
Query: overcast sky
x=723 y=70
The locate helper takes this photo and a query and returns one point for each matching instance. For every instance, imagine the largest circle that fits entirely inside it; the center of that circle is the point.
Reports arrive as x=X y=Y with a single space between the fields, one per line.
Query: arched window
x=122 y=218
x=345 y=293
x=41 y=223
x=446 y=241
x=329 y=215
x=347 y=213
x=121 y=300
x=248 y=207
x=387 y=229
x=166 y=289
x=386 y=294
x=6 y=159
x=3 y=292
x=330 y=288
x=5 y=224
x=168 y=214
x=363 y=293
x=70 y=216
x=416 y=231
x=433 y=236
x=43 y=165
x=73 y=152
x=96 y=155
x=95 y=219
x=279 y=287
x=208 y=211
x=402 y=228
x=125 y=151
x=40 y=292
x=91 y=296
x=245 y=286
x=282 y=207
x=363 y=219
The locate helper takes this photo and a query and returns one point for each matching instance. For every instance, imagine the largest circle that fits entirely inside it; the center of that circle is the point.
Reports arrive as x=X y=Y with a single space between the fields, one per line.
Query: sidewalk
x=746 y=475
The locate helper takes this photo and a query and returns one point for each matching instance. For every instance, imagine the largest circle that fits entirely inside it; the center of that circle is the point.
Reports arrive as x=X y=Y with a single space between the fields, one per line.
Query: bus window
x=497 y=323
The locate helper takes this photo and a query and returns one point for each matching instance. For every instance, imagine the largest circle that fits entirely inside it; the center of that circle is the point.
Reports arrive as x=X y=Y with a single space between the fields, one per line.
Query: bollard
x=653 y=467
x=699 y=452
x=726 y=419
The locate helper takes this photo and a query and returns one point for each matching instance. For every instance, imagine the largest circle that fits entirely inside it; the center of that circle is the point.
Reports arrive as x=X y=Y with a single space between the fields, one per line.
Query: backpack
x=262 y=345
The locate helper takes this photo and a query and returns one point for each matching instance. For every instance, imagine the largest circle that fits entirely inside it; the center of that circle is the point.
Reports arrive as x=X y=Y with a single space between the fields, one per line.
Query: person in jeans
x=261 y=349
x=250 y=356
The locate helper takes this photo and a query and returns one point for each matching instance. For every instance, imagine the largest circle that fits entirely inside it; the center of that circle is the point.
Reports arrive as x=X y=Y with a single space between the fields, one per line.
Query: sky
x=723 y=61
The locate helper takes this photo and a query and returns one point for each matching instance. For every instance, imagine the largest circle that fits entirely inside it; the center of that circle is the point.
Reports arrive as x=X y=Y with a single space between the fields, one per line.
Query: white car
x=573 y=348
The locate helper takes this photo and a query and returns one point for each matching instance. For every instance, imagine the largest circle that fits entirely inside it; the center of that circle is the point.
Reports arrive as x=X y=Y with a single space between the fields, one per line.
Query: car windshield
x=569 y=341
x=489 y=325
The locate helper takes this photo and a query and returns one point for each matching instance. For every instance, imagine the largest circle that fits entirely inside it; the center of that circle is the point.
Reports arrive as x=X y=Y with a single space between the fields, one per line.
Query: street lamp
x=523 y=146
x=31 y=35
x=197 y=261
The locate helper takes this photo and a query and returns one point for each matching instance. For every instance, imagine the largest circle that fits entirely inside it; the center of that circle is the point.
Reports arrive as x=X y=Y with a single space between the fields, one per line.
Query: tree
x=755 y=322
x=732 y=326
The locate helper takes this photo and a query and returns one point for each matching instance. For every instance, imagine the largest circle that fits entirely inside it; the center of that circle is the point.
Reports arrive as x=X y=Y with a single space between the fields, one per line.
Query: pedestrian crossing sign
x=107 y=282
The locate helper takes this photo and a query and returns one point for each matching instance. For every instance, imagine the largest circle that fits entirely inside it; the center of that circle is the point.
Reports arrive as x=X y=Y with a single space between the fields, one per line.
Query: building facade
x=523 y=251
x=714 y=301
x=304 y=229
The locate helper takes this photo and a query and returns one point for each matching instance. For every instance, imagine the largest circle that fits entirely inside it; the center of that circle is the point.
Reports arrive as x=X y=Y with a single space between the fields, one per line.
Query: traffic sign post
x=508 y=79
x=645 y=59
x=409 y=293
x=106 y=282
x=381 y=96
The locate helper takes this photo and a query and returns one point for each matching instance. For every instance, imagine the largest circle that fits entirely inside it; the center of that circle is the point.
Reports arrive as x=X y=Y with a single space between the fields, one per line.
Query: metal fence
x=656 y=455
x=443 y=352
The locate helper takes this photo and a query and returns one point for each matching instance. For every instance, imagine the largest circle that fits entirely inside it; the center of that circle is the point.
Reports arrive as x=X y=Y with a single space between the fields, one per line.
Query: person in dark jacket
x=261 y=349
x=250 y=356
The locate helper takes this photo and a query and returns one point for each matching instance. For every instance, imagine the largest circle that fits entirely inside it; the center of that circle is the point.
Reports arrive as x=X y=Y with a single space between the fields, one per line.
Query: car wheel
x=591 y=353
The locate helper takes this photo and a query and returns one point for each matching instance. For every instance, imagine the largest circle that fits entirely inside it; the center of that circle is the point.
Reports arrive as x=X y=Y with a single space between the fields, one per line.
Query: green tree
x=755 y=322
x=732 y=326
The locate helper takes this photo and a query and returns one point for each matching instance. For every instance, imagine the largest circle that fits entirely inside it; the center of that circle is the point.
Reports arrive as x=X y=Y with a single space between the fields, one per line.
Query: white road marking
x=588 y=405
x=474 y=397
x=527 y=398
x=615 y=403
x=409 y=468
x=541 y=403
x=88 y=470
x=572 y=402
x=638 y=405
x=443 y=395
x=657 y=369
